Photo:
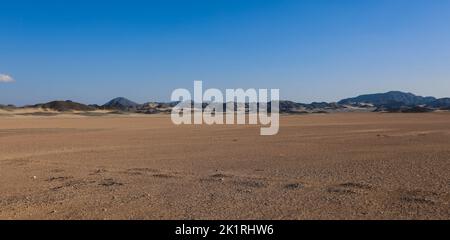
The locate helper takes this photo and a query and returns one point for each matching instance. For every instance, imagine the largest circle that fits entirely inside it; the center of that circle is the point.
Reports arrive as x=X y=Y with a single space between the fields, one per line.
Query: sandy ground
x=330 y=166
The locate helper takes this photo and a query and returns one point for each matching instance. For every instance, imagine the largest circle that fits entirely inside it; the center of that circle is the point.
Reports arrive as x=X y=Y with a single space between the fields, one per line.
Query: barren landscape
x=319 y=166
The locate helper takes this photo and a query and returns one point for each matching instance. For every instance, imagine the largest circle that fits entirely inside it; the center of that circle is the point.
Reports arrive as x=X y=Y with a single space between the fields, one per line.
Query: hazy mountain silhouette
x=389 y=99
x=442 y=103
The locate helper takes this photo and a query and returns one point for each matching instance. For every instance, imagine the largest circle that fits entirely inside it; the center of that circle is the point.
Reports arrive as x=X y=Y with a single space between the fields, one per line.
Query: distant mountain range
x=398 y=101
x=394 y=101
x=389 y=98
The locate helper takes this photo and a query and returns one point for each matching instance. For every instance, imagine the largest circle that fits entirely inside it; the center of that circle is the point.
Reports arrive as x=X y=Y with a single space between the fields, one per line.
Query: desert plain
x=319 y=166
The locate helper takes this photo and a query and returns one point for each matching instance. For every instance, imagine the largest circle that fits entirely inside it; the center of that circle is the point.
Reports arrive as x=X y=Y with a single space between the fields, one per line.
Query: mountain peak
x=120 y=103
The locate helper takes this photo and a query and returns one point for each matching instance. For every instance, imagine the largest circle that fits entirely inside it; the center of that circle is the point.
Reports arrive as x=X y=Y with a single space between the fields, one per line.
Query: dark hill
x=389 y=98
x=442 y=103
x=122 y=104
x=63 y=106
x=7 y=107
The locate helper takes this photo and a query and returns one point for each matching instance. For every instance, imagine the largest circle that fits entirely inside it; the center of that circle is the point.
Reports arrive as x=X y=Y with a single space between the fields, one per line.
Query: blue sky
x=315 y=50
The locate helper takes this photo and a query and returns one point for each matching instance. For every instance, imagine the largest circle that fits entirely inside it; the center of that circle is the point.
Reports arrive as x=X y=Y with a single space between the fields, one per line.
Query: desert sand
x=319 y=166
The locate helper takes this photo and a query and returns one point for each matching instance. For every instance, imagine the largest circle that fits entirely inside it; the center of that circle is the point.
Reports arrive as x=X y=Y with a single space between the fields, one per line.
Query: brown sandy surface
x=330 y=166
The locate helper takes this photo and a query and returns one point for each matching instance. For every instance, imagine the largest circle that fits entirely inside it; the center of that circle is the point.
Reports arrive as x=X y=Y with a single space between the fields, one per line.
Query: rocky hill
x=122 y=104
x=64 y=106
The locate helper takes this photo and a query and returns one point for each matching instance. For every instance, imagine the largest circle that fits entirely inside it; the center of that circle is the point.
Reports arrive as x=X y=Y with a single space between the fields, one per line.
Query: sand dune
x=333 y=166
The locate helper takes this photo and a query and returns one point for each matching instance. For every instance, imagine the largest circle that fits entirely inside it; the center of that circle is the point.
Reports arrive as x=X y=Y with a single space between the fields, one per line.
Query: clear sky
x=315 y=50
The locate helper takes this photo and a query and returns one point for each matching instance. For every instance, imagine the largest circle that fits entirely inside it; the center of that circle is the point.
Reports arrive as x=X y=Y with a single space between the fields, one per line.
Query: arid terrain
x=319 y=166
